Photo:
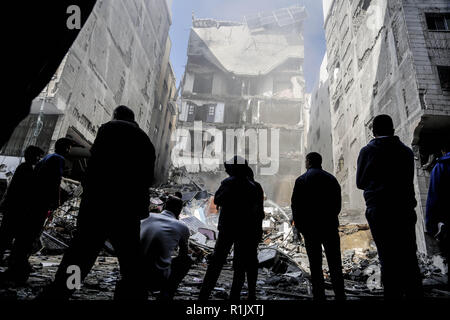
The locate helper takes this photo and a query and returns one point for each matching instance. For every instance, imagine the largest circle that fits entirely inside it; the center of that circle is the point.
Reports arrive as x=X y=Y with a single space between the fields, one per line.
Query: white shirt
x=161 y=233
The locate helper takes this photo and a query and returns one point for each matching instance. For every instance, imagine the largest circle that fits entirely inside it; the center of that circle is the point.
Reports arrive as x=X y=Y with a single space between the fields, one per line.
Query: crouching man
x=161 y=234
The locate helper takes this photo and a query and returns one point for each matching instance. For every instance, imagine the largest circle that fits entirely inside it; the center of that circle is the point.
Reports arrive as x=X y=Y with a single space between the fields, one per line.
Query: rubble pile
x=361 y=265
x=61 y=225
x=283 y=262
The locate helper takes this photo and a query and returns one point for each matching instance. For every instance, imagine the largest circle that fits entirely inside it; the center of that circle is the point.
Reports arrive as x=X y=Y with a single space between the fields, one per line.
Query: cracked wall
x=248 y=99
x=117 y=58
x=318 y=136
x=383 y=59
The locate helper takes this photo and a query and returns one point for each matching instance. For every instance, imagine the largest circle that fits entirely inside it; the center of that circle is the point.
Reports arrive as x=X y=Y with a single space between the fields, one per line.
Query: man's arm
x=151 y=161
x=221 y=194
x=94 y=162
x=295 y=200
x=362 y=171
x=183 y=244
x=338 y=199
x=432 y=211
x=55 y=170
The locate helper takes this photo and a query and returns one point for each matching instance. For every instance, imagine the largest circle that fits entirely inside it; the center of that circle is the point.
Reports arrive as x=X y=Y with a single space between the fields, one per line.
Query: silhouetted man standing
x=16 y=202
x=438 y=203
x=115 y=199
x=316 y=204
x=161 y=234
x=239 y=200
x=45 y=198
x=386 y=174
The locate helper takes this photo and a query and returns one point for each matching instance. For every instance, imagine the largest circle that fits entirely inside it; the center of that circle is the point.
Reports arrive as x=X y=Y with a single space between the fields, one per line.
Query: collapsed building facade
x=121 y=56
x=243 y=87
x=388 y=57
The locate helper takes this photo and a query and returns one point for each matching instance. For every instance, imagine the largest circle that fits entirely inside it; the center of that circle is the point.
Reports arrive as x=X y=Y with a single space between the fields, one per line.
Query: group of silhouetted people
x=115 y=207
x=385 y=171
x=32 y=194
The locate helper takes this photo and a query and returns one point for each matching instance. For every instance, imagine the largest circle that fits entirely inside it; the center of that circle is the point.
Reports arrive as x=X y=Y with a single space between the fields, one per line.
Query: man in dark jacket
x=15 y=203
x=438 y=202
x=115 y=199
x=45 y=198
x=316 y=204
x=386 y=174
x=239 y=199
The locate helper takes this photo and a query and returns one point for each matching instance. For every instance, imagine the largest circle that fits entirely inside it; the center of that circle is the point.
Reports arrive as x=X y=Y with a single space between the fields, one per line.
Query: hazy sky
x=235 y=10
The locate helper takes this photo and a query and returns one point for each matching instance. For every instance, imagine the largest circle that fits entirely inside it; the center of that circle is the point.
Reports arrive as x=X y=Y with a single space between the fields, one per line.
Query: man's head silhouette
x=313 y=160
x=383 y=126
x=123 y=113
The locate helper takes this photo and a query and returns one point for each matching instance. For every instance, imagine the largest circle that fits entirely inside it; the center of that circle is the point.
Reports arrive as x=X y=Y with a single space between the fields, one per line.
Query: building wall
x=382 y=59
x=167 y=124
x=429 y=49
x=116 y=59
x=319 y=137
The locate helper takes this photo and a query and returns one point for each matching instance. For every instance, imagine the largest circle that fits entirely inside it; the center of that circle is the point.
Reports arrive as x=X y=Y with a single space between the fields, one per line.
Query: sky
x=235 y=10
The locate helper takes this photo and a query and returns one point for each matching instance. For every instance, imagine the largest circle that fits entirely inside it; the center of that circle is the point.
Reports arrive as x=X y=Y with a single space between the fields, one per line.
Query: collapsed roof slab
x=238 y=51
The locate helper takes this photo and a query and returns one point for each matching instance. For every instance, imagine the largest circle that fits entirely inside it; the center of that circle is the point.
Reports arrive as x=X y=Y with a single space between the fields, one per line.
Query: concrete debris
x=208 y=233
x=199 y=238
x=283 y=262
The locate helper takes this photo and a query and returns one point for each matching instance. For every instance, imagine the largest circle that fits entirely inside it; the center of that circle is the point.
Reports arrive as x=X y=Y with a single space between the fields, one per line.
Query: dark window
x=337 y=104
x=444 y=76
x=211 y=112
x=235 y=87
x=438 y=21
x=232 y=114
x=280 y=86
x=203 y=83
x=201 y=113
x=191 y=112
x=165 y=87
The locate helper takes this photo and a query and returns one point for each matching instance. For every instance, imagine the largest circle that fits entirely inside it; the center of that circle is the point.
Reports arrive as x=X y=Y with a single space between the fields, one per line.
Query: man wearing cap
x=161 y=234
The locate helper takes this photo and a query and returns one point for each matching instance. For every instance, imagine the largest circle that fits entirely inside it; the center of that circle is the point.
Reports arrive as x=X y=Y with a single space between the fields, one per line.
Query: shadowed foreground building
x=121 y=56
x=247 y=78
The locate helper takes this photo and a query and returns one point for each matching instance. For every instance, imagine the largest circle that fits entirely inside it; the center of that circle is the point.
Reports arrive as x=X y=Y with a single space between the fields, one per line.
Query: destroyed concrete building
x=388 y=57
x=318 y=131
x=246 y=78
x=120 y=57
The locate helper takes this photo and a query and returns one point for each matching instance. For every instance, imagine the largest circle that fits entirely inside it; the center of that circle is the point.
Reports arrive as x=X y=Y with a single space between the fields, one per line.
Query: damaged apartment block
x=387 y=57
x=248 y=77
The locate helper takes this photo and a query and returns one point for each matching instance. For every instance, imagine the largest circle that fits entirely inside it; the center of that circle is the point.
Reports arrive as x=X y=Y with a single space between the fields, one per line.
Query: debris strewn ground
x=284 y=267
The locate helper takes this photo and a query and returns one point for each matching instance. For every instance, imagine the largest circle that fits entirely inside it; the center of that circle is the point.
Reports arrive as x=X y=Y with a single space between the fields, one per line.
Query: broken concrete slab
x=210 y=234
x=199 y=238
